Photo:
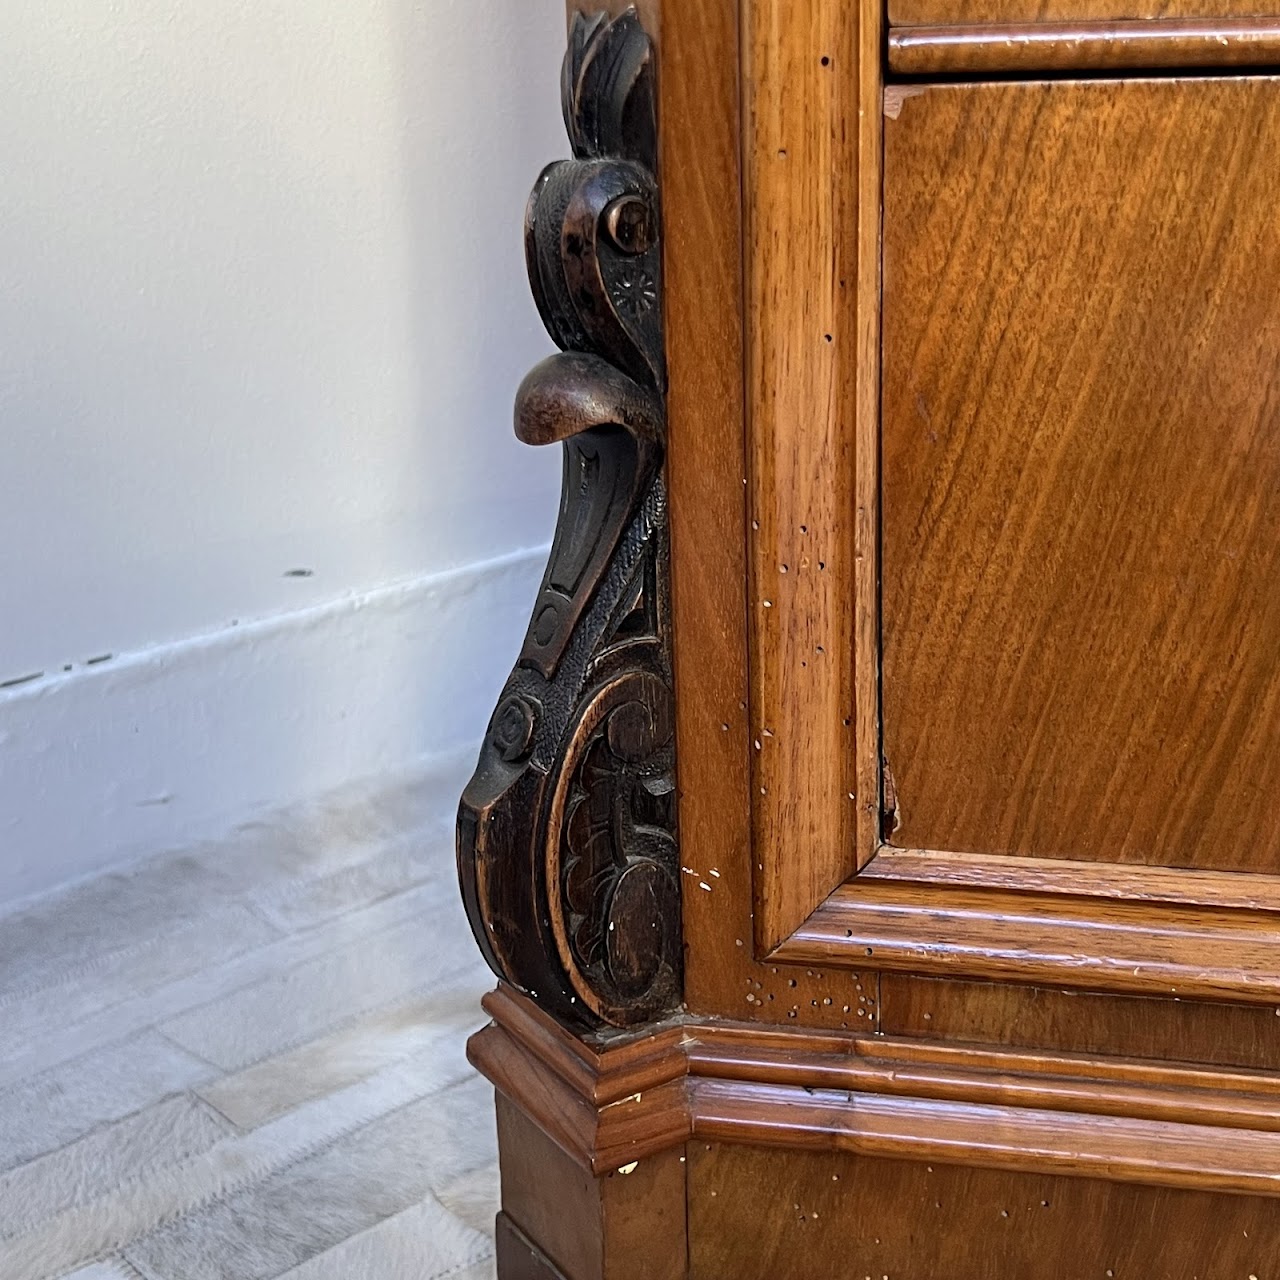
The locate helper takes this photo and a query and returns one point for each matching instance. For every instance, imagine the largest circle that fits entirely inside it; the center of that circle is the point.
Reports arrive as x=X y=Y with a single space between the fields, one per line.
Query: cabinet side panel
x=799 y=1216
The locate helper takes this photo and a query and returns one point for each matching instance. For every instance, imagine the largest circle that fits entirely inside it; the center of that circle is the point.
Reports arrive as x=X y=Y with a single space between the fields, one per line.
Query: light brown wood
x=907 y=13
x=803 y=1216
x=1081 y=539
x=1147 y=948
x=812 y=182
x=1081 y=46
x=1159 y=1123
x=1083 y=1022
x=700 y=122
x=1078 y=879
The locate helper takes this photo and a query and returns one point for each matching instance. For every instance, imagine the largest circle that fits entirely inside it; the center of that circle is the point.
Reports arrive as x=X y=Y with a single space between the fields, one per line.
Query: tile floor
x=245 y=1061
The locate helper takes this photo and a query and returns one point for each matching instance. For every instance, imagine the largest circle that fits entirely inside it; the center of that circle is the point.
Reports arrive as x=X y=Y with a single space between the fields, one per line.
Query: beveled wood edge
x=1010 y=934
x=1161 y=1124
x=1187 y=886
x=1151 y=44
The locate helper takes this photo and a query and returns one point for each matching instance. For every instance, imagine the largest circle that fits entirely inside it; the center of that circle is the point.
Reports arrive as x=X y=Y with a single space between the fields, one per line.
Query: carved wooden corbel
x=567 y=850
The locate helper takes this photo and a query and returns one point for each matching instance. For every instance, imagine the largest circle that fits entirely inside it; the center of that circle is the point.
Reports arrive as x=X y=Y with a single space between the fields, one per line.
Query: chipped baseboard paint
x=151 y=750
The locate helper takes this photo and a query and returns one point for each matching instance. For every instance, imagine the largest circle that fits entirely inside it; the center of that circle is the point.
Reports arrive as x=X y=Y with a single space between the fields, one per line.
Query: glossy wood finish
x=1083 y=1022
x=809 y=71
x=1081 y=539
x=915 y=13
x=701 y=152
x=1084 y=46
x=1156 y=1123
x=809 y=1216
x=1184 y=952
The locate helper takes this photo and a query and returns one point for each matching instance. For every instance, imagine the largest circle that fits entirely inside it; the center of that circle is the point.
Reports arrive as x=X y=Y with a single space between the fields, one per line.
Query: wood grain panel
x=1082 y=1022
x=979 y=12
x=812 y=181
x=1099 y=46
x=800 y=1216
x=1081 y=465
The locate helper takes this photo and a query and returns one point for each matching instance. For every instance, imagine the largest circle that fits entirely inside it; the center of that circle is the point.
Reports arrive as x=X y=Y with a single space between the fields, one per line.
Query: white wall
x=262 y=310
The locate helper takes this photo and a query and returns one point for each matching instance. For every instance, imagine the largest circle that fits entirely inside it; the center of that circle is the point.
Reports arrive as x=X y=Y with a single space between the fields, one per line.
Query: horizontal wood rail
x=1132 y=882
x=1084 y=46
x=1011 y=935
x=616 y=1101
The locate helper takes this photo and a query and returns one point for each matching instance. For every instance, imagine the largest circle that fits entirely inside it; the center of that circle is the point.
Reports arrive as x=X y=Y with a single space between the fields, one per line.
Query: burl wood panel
x=1081 y=470
x=930 y=12
x=1081 y=1022
x=773 y=1215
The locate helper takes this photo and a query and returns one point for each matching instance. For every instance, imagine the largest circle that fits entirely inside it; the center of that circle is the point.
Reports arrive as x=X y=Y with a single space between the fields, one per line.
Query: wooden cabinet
x=879 y=837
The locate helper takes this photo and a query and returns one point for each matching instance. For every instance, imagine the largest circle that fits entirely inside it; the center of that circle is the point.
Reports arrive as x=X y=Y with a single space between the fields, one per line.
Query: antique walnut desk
x=878 y=839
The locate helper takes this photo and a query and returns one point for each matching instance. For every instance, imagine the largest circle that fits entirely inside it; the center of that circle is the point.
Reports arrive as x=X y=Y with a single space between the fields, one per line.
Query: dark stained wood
x=1081 y=535
x=518 y=1258
x=566 y=833
x=1080 y=46
x=1082 y=1022
x=798 y=1216
x=626 y=1225
x=978 y=12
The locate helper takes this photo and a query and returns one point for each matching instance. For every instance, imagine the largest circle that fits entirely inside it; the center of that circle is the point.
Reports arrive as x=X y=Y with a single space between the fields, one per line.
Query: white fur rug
x=245 y=1061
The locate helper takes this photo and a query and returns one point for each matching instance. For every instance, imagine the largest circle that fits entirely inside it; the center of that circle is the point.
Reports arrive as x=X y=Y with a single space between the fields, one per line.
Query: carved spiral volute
x=567 y=847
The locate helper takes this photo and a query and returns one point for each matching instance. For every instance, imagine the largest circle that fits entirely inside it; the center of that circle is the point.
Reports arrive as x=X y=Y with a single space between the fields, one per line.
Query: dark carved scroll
x=566 y=833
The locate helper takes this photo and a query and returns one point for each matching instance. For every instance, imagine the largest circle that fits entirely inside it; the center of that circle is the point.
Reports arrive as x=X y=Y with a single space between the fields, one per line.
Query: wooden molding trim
x=1008 y=933
x=1131 y=882
x=567 y=853
x=609 y=1103
x=1084 y=46
x=811 y=111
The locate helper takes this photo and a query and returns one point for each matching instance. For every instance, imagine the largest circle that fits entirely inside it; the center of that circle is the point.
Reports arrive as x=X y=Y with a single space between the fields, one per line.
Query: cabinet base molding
x=621 y=1099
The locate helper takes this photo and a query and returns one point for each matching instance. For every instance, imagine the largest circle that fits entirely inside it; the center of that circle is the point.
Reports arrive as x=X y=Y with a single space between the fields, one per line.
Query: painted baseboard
x=153 y=750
